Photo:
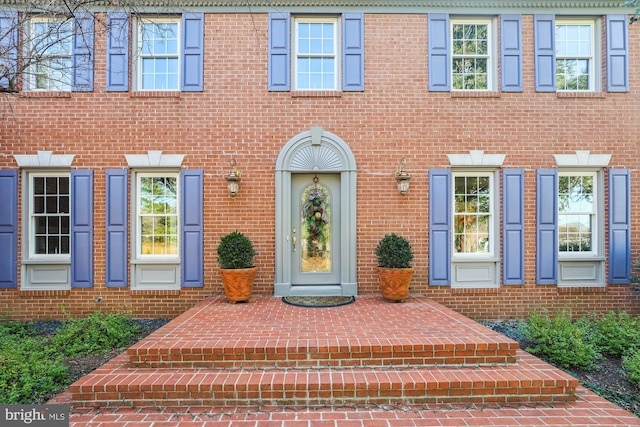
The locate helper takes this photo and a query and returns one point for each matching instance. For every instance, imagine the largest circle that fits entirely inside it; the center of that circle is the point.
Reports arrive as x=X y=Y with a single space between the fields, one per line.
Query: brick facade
x=395 y=117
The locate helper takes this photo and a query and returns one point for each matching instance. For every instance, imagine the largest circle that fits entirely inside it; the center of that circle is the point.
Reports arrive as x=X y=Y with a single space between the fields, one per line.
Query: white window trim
x=492 y=63
x=337 y=50
x=494 y=226
x=595 y=64
x=31 y=74
x=137 y=62
x=597 y=233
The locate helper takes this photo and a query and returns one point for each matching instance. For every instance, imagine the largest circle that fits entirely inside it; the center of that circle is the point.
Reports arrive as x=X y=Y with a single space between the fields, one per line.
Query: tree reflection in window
x=472 y=214
x=576 y=213
x=158 y=215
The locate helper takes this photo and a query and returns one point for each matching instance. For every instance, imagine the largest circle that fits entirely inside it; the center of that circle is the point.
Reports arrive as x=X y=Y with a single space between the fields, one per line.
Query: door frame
x=316 y=151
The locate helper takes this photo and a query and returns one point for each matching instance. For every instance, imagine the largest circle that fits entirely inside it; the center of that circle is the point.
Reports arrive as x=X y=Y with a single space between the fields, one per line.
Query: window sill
x=455 y=259
x=45 y=261
x=155 y=94
x=316 y=94
x=46 y=94
x=163 y=261
x=580 y=94
x=475 y=94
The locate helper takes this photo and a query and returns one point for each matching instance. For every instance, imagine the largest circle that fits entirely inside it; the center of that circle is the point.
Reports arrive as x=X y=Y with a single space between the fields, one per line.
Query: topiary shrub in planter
x=394 y=256
x=235 y=256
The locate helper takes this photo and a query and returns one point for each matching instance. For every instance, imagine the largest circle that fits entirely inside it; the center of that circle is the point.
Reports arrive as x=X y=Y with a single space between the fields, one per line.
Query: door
x=315 y=219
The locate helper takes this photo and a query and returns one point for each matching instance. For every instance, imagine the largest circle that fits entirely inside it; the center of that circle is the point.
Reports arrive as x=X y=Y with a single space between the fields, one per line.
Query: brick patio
x=367 y=363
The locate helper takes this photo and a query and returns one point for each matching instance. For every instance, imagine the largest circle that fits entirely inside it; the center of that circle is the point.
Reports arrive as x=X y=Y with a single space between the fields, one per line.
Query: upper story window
x=49 y=53
x=472 y=54
x=49 y=215
x=577 y=213
x=159 y=54
x=168 y=52
x=575 y=50
x=473 y=213
x=581 y=54
x=316 y=53
x=317 y=56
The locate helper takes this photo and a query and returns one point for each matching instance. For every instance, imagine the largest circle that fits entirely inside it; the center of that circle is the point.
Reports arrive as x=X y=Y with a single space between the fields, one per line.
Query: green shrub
x=235 y=251
x=631 y=364
x=27 y=371
x=394 y=251
x=617 y=333
x=560 y=340
x=96 y=334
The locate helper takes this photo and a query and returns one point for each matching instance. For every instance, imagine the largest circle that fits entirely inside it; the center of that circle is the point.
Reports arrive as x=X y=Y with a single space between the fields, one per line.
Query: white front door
x=316 y=234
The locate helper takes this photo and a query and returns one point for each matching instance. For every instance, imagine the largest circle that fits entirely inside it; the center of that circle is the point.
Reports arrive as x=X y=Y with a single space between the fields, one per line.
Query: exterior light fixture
x=402 y=178
x=233 y=179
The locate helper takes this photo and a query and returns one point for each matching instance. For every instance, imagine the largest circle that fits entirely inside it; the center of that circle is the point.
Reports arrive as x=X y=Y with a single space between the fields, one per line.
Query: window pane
x=577 y=210
x=472 y=214
x=315 y=56
x=159 y=224
x=159 y=50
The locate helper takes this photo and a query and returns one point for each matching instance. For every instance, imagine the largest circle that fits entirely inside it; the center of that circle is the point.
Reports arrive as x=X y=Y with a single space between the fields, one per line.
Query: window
x=316 y=61
x=49 y=52
x=577 y=213
x=575 y=64
x=471 y=60
x=158 y=61
x=157 y=214
x=473 y=214
x=49 y=215
x=316 y=53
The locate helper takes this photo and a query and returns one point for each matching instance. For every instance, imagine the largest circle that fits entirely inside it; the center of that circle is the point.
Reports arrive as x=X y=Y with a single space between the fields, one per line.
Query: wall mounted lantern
x=402 y=178
x=233 y=179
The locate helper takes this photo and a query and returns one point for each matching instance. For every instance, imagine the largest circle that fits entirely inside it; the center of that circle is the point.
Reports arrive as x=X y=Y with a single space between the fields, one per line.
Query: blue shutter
x=617 y=54
x=81 y=229
x=545 y=52
x=117 y=226
x=192 y=229
x=353 y=51
x=547 y=227
x=9 y=48
x=193 y=52
x=279 y=68
x=9 y=229
x=511 y=52
x=118 y=52
x=440 y=227
x=439 y=55
x=619 y=226
x=513 y=226
x=83 y=53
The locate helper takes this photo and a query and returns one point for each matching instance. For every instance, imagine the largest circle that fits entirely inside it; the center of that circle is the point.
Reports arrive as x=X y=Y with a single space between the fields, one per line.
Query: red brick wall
x=396 y=116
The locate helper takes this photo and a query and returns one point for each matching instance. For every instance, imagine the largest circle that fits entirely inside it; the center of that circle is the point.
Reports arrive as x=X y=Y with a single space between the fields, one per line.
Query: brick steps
x=267 y=353
x=321 y=354
x=529 y=381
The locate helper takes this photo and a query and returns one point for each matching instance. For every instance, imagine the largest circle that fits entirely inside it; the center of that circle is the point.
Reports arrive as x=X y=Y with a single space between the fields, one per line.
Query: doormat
x=318 y=302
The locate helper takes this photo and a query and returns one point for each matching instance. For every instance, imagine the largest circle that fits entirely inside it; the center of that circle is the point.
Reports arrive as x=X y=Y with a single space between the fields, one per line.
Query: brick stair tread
x=531 y=380
x=257 y=335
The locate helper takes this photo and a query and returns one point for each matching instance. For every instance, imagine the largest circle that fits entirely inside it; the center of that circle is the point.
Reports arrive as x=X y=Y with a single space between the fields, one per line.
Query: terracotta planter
x=238 y=283
x=394 y=283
